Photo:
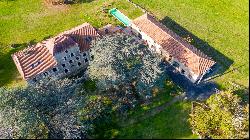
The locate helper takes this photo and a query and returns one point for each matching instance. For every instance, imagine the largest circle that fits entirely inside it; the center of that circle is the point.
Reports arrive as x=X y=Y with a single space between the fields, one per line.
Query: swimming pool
x=120 y=16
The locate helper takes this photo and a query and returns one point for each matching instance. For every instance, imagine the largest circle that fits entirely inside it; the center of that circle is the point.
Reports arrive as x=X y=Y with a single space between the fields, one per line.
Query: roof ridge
x=181 y=42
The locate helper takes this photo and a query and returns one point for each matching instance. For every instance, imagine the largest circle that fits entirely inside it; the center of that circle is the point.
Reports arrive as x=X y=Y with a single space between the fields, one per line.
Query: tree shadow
x=222 y=61
x=7 y=68
x=243 y=93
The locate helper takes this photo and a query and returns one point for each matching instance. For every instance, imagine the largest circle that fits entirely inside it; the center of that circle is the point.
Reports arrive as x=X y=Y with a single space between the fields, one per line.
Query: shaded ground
x=201 y=91
x=168 y=121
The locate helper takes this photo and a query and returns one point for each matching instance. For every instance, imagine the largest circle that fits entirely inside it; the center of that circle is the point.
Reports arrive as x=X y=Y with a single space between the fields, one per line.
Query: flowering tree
x=120 y=62
x=223 y=116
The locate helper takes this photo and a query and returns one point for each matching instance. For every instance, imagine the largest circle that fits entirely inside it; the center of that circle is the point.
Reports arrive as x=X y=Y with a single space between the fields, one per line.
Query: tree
x=222 y=116
x=46 y=110
x=121 y=62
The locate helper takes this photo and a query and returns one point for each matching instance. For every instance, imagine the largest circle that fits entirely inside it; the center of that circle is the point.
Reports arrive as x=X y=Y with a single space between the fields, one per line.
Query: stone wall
x=69 y=62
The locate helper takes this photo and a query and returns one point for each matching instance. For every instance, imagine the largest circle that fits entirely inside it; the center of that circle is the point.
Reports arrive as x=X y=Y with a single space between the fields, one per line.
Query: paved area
x=193 y=91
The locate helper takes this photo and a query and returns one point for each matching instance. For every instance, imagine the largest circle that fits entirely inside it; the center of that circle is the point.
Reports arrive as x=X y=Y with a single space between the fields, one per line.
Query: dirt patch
x=58 y=7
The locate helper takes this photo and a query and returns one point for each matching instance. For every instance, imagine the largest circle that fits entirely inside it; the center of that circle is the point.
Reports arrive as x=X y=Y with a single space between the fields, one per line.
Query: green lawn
x=23 y=21
x=170 y=123
x=145 y=121
x=223 y=24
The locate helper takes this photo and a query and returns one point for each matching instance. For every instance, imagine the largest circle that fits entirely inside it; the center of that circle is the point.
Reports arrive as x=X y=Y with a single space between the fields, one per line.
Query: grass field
x=23 y=21
x=222 y=28
x=161 y=125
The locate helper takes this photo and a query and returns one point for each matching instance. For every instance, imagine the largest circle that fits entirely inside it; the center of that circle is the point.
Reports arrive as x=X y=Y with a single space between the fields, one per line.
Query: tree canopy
x=120 y=60
x=45 y=110
x=222 y=116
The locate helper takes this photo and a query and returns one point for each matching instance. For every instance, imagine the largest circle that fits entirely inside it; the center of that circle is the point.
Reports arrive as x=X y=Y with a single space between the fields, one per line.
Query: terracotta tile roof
x=59 y=44
x=187 y=54
x=34 y=60
x=81 y=35
x=39 y=58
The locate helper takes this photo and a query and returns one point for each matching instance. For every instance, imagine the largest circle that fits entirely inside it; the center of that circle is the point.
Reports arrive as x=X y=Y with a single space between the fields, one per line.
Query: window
x=65 y=58
x=54 y=69
x=140 y=36
x=66 y=70
x=189 y=76
x=34 y=79
x=170 y=58
x=86 y=60
x=79 y=63
x=88 y=39
x=77 y=58
x=45 y=73
x=66 y=51
x=92 y=57
x=84 y=54
x=106 y=31
x=63 y=65
x=72 y=54
x=70 y=61
x=182 y=71
x=175 y=64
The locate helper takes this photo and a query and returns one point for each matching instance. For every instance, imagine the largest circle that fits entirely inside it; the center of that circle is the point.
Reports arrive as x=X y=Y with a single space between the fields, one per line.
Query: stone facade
x=69 y=62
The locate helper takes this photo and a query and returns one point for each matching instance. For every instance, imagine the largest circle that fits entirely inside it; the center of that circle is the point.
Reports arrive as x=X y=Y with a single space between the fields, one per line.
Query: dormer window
x=66 y=51
x=65 y=58
x=79 y=63
x=63 y=65
x=72 y=54
x=77 y=58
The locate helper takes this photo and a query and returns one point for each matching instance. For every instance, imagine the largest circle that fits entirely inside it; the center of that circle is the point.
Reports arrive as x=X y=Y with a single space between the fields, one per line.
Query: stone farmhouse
x=69 y=52
x=62 y=55
x=188 y=60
